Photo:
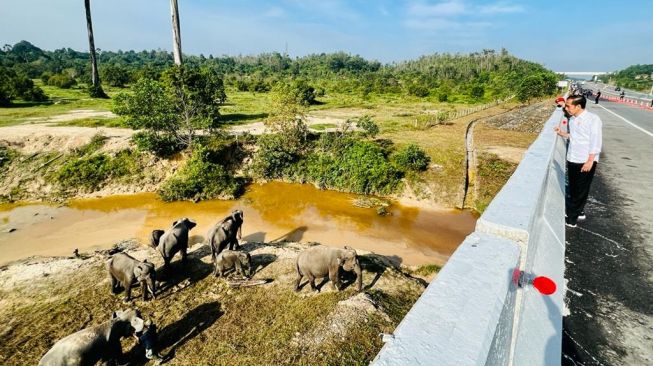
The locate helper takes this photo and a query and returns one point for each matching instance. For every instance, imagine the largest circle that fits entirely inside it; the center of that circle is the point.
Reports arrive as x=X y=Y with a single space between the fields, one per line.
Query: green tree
x=115 y=75
x=186 y=100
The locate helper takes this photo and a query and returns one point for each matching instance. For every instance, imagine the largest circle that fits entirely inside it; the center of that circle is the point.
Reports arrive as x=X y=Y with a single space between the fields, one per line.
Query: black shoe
x=570 y=223
x=582 y=216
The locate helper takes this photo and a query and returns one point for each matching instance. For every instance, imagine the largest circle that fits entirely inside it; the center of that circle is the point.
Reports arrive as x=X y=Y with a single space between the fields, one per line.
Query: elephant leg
x=144 y=289
x=184 y=255
x=128 y=292
x=114 y=284
x=335 y=281
x=215 y=265
x=239 y=269
x=298 y=281
x=311 y=280
x=233 y=245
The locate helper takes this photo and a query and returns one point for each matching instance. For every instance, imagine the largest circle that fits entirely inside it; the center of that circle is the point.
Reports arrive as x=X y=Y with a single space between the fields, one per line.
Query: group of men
x=584 y=135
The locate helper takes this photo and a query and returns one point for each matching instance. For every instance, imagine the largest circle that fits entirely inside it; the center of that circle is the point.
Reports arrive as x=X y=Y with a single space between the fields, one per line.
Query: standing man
x=585 y=138
x=598 y=96
x=622 y=95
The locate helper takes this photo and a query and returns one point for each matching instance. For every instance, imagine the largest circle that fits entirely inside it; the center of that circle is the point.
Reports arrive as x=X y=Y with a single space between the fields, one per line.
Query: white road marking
x=627 y=121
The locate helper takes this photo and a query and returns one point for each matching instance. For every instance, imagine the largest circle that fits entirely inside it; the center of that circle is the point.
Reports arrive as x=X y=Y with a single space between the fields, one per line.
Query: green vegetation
x=6 y=156
x=411 y=157
x=471 y=78
x=88 y=170
x=427 y=270
x=16 y=86
x=183 y=102
x=202 y=178
x=636 y=77
x=492 y=174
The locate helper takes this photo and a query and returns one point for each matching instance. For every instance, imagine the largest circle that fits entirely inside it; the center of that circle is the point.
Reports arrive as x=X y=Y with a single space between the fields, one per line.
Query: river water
x=273 y=212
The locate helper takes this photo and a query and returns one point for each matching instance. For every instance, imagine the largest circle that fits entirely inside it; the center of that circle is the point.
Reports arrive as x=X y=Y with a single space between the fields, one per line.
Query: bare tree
x=96 y=89
x=176 y=33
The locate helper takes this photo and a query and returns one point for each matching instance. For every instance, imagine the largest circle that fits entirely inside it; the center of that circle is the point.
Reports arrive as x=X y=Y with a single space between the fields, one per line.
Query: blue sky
x=563 y=35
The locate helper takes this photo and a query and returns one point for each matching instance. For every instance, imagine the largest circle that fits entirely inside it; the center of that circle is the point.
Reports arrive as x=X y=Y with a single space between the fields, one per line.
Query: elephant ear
x=139 y=271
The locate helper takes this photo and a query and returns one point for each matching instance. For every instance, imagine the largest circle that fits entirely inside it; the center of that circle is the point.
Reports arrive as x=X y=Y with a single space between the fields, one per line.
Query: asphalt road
x=609 y=256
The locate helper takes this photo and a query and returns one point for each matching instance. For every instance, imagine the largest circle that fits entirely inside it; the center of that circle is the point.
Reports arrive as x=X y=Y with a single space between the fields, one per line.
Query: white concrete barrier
x=474 y=313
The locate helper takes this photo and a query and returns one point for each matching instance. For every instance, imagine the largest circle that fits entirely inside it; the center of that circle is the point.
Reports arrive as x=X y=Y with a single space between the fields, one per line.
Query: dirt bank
x=201 y=319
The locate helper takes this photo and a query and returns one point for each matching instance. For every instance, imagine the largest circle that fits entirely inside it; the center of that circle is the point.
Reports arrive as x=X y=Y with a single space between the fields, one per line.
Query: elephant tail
x=155 y=238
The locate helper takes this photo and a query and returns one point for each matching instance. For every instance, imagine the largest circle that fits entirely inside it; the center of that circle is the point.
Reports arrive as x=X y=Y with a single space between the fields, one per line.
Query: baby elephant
x=125 y=270
x=233 y=258
x=97 y=343
x=321 y=261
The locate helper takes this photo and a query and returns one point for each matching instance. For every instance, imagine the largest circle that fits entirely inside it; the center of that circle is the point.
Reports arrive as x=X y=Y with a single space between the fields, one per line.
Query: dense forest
x=636 y=77
x=467 y=78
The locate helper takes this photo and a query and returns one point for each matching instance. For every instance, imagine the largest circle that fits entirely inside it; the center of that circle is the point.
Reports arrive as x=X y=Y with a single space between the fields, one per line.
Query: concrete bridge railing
x=476 y=312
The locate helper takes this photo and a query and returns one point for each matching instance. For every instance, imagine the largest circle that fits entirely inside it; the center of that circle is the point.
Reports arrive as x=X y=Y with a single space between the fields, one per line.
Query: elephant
x=97 y=343
x=321 y=261
x=242 y=261
x=124 y=270
x=226 y=233
x=173 y=240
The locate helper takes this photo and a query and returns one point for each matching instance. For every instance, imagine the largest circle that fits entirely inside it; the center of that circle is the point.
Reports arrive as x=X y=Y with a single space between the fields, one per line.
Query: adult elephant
x=226 y=233
x=125 y=270
x=173 y=240
x=322 y=261
x=97 y=343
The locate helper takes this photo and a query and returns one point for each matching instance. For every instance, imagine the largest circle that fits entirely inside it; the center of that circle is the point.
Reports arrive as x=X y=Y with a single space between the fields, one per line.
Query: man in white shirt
x=585 y=138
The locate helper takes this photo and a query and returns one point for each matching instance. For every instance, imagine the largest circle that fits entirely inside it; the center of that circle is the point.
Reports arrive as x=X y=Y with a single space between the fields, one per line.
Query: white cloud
x=500 y=8
x=451 y=7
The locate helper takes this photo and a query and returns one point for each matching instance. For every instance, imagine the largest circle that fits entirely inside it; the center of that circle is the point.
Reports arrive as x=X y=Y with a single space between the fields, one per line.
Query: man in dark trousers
x=598 y=96
x=585 y=139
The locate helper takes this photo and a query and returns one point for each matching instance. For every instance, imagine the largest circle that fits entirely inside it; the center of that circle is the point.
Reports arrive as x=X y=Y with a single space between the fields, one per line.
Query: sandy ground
x=42 y=134
x=31 y=138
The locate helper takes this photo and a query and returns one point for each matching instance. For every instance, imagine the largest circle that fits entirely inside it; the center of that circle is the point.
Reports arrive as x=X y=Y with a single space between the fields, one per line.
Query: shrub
x=359 y=167
x=369 y=127
x=161 y=144
x=97 y=141
x=411 y=157
x=418 y=90
x=63 y=81
x=200 y=179
x=275 y=158
x=88 y=173
x=14 y=86
x=91 y=172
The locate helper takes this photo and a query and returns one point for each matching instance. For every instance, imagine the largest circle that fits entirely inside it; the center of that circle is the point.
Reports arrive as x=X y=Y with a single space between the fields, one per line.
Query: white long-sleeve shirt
x=585 y=137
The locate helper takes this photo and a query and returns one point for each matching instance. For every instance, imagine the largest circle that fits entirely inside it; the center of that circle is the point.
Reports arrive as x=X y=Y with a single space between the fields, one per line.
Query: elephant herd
x=102 y=342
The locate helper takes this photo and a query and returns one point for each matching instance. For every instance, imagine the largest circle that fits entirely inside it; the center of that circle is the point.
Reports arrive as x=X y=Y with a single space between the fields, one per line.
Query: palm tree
x=96 y=89
x=176 y=34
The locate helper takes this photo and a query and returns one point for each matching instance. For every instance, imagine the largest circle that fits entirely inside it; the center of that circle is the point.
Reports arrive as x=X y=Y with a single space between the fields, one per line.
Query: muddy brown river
x=273 y=212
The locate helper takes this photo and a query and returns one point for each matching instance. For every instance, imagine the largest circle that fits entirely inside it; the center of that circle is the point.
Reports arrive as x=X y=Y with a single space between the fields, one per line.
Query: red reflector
x=544 y=285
